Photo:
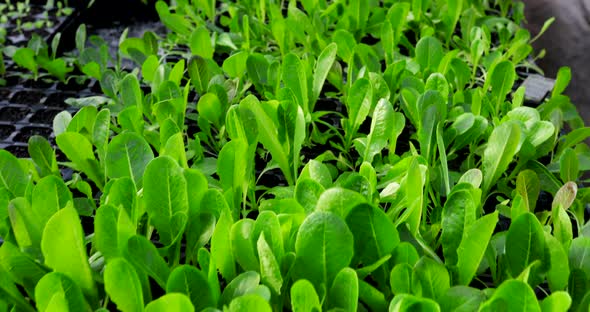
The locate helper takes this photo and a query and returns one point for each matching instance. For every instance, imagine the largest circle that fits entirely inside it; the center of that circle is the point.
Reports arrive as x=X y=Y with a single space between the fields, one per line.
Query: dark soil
x=6 y=131
x=13 y=113
x=45 y=116
x=25 y=133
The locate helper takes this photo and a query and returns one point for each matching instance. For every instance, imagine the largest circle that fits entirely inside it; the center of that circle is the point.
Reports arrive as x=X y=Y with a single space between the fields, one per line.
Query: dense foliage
x=302 y=155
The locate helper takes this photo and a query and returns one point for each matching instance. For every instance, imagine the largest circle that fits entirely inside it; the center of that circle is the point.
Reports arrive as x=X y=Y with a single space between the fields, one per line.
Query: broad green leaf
x=458 y=213
x=235 y=65
x=559 y=301
x=578 y=253
x=295 y=78
x=339 y=201
x=209 y=107
x=268 y=223
x=243 y=284
x=49 y=195
x=322 y=68
x=401 y=279
x=571 y=139
x=79 y=150
x=324 y=246
x=25 y=57
x=200 y=43
x=64 y=250
x=569 y=166
x=192 y=282
x=267 y=131
x=269 y=266
x=372 y=297
x=381 y=128
x=499 y=152
x=199 y=73
x=344 y=291
x=429 y=53
x=358 y=104
x=346 y=43
x=13 y=178
x=43 y=155
x=130 y=92
x=128 y=155
x=433 y=278
x=473 y=246
x=562 y=226
x=123 y=285
x=557 y=276
x=221 y=249
x=512 y=295
x=375 y=236
x=502 y=79
x=564 y=76
x=407 y=302
x=257 y=68
x=171 y=302
x=529 y=187
x=144 y=255
x=461 y=299
x=242 y=247
x=317 y=171
x=415 y=198
x=55 y=283
x=525 y=243
x=20 y=267
x=27 y=227
x=304 y=297
x=250 y=302
x=307 y=193
x=231 y=169
x=165 y=198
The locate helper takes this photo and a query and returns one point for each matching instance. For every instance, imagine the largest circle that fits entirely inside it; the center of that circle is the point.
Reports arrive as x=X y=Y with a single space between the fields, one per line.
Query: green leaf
x=578 y=252
x=461 y=299
x=26 y=225
x=123 y=285
x=401 y=279
x=317 y=171
x=473 y=246
x=512 y=295
x=406 y=302
x=562 y=225
x=25 y=57
x=307 y=193
x=242 y=247
x=257 y=68
x=304 y=297
x=499 y=152
x=235 y=65
x=569 y=166
x=19 y=267
x=267 y=131
x=243 y=284
x=200 y=43
x=12 y=176
x=381 y=128
x=221 y=249
x=557 y=276
x=165 y=198
x=251 y=302
x=79 y=150
x=339 y=201
x=375 y=236
x=346 y=43
x=571 y=139
x=56 y=283
x=295 y=78
x=564 y=76
x=128 y=155
x=525 y=243
x=559 y=301
x=459 y=212
x=49 y=195
x=324 y=246
x=429 y=53
x=64 y=250
x=231 y=168
x=433 y=278
x=199 y=73
x=344 y=291
x=529 y=187
x=43 y=155
x=171 y=302
x=192 y=282
x=371 y=297
x=502 y=78
x=144 y=255
x=433 y=110
x=269 y=266
x=358 y=104
x=322 y=68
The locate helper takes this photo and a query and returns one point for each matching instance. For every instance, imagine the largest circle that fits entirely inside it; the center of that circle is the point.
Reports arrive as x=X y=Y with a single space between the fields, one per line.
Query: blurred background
x=567 y=43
